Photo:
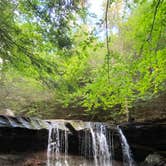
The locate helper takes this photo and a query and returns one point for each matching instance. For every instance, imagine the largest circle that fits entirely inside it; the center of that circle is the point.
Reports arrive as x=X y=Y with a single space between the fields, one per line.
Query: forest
x=60 y=60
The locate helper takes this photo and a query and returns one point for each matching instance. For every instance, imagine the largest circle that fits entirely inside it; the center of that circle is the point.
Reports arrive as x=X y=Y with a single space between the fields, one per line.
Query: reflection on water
x=70 y=161
x=40 y=159
x=76 y=161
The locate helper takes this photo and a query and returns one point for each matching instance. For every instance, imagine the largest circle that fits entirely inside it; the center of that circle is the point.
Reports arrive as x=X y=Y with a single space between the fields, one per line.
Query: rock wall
x=22 y=140
x=150 y=109
x=21 y=134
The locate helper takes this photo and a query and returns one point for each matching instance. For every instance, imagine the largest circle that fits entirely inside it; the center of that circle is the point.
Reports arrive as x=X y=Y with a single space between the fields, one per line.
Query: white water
x=127 y=156
x=101 y=147
x=57 y=142
x=97 y=144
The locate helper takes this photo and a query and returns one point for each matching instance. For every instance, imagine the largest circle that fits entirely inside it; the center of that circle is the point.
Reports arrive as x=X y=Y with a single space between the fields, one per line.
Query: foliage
x=137 y=62
x=53 y=19
x=49 y=60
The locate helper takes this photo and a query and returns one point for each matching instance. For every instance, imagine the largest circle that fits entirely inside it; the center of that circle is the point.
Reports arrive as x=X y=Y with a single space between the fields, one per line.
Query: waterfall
x=127 y=156
x=101 y=152
x=57 y=143
x=96 y=146
x=100 y=144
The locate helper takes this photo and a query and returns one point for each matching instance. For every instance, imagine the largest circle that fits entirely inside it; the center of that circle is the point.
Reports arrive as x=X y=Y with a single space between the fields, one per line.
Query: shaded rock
x=154 y=160
x=22 y=134
x=71 y=128
x=146 y=138
x=22 y=139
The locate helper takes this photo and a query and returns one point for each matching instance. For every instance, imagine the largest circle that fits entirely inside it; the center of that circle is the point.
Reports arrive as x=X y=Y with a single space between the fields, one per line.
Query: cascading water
x=127 y=156
x=57 y=143
x=97 y=144
x=101 y=148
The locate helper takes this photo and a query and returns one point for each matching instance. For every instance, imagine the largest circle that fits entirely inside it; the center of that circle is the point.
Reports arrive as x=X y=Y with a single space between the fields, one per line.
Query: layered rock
x=22 y=134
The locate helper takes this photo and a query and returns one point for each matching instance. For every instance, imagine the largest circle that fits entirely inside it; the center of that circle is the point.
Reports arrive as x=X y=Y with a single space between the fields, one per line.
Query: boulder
x=154 y=160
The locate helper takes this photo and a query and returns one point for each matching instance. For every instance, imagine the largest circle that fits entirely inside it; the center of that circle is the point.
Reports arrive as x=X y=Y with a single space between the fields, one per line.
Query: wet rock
x=154 y=160
x=34 y=162
x=146 y=138
x=22 y=122
x=23 y=159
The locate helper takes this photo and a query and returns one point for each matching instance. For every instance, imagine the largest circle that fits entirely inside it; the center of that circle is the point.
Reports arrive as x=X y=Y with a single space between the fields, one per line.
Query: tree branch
x=107 y=40
x=152 y=27
x=153 y=22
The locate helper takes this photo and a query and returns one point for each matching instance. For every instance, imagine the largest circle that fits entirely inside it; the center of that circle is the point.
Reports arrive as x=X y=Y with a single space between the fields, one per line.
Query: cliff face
x=150 y=109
